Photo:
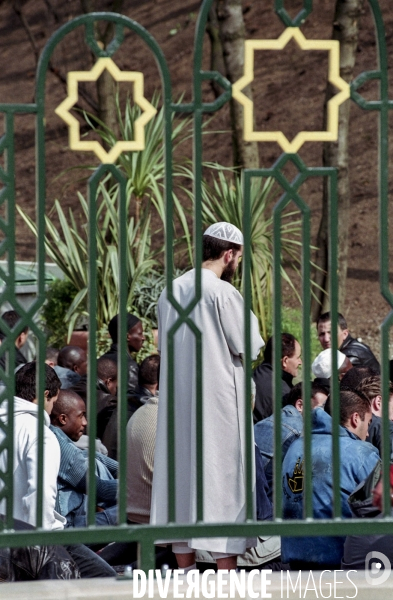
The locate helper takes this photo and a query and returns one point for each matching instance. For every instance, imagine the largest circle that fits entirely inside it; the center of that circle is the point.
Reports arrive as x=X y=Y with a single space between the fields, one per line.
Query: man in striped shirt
x=68 y=423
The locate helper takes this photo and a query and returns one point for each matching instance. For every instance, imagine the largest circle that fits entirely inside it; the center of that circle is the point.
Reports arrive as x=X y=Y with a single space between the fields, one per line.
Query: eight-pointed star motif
x=148 y=110
x=331 y=134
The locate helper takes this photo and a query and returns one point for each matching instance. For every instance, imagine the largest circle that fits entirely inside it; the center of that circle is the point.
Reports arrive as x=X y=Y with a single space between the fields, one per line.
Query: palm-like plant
x=222 y=200
x=145 y=170
x=68 y=248
x=145 y=174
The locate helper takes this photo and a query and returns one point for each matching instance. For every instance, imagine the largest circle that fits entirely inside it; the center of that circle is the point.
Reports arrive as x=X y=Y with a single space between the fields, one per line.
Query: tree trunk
x=217 y=53
x=232 y=34
x=335 y=154
x=106 y=86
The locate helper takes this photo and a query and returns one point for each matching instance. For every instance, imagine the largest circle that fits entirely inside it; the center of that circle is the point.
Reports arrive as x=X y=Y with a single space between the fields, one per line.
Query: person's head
x=324 y=330
x=135 y=336
x=26 y=385
x=222 y=243
x=371 y=387
x=69 y=414
x=51 y=355
x=290 y=353
x=11 y=319
x=322 y=365
x=149 y=372
x=73 y=358
x=355 y=413
x=295 y=396
x=107 y=372
x=353 y=378
x=319 y=394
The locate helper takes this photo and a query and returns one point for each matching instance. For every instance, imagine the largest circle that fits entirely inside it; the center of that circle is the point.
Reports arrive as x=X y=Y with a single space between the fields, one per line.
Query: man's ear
x=354 y=419
x=377 y=403
x=228 y=255
x=20 y=340
x=299 y=405
x=62 y=419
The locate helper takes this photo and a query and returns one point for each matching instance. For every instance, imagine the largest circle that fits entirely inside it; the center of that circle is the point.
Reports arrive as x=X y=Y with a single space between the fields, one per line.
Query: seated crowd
x=66 y=459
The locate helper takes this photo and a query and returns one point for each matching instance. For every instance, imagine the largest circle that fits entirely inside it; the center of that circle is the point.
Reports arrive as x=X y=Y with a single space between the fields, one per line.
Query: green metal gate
x=146 y=535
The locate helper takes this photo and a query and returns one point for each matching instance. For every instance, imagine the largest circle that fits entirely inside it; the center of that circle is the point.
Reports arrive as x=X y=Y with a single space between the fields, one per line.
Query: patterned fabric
x=71 y=481
x=225 y=231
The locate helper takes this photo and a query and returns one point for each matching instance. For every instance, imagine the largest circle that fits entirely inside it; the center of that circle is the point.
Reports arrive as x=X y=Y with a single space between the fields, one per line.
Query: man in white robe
x=219 y=315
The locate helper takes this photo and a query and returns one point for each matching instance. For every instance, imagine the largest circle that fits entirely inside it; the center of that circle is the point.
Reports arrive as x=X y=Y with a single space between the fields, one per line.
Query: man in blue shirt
x=68 y=422
x=355 y=415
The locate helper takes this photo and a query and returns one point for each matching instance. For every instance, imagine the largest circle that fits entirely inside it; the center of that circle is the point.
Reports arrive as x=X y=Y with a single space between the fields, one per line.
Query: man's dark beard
x=229 y=271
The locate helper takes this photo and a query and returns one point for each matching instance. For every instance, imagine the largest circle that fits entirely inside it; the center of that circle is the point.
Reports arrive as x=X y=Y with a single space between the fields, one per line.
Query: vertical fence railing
x=147 y=535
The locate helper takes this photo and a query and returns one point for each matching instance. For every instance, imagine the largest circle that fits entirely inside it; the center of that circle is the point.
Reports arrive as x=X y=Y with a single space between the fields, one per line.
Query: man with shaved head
x=71 y=365
x=68 y=422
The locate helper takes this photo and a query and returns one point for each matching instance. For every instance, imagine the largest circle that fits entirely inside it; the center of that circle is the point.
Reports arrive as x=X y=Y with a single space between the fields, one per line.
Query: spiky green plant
x=145 y=170
x=68 y=248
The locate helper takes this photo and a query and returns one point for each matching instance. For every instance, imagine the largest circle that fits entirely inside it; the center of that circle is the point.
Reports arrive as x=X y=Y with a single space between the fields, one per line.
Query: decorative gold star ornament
x=331 y=134
x=63 y=110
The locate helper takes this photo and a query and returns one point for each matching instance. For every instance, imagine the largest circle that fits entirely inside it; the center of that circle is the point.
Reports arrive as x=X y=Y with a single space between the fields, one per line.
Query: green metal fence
x=146 y=535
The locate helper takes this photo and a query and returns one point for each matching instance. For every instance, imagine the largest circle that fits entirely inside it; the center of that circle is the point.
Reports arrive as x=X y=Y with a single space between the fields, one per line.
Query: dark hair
x=340 y=320
x=372 y=387
x=148 y=370
x=287 y=347
x=351 y=402
x=319 y=388
x=293 y=396
x=26 y=378
x=106 y=368
x=213 y=248
x=11 y=318
x=296 y=393
x=132 y=320
x=70 y=356
x=353 y=378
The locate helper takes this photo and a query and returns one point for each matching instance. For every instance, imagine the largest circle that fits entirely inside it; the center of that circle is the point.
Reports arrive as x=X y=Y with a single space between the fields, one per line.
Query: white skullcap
x=322 y=365
x=225 y=231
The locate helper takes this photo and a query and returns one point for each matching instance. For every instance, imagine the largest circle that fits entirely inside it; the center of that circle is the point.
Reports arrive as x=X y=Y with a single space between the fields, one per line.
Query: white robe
x=219 y=315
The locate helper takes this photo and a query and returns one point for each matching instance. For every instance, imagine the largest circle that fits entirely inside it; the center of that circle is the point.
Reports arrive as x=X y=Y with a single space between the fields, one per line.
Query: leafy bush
x=59 y=297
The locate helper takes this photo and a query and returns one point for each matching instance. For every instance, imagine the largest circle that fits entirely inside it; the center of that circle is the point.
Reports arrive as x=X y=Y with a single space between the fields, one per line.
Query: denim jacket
x=291 y=429
x=358 y=459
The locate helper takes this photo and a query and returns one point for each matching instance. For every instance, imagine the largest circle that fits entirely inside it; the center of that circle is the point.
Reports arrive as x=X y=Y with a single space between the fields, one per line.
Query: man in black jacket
x=263 y=374
x=358 y=353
